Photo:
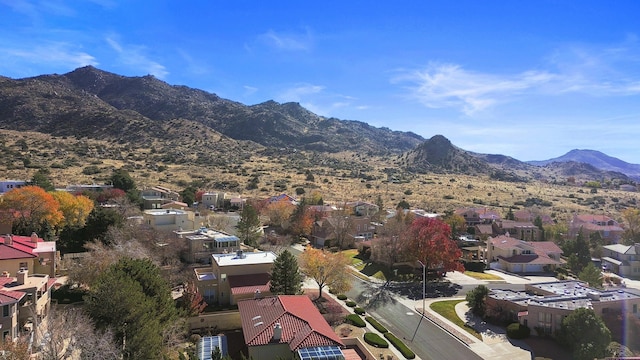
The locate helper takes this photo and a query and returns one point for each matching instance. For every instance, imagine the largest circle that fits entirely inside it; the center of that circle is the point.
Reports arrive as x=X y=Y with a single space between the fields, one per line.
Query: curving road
x=430 y=342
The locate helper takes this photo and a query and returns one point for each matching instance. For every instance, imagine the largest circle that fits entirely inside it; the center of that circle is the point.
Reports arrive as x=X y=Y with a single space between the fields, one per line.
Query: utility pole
x=424 y=292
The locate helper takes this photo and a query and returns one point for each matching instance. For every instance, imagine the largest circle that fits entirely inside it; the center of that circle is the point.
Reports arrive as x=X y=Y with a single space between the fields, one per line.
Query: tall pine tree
x=285 y=276
x=249 y=226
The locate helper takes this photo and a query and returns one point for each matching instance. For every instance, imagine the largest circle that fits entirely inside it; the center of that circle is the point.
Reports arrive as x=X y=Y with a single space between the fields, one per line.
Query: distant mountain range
x=92 y=103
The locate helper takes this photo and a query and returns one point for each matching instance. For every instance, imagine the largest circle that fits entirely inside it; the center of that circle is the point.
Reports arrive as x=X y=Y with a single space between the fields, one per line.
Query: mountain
x=89 y=102
x=439 y=155
x=596 y=159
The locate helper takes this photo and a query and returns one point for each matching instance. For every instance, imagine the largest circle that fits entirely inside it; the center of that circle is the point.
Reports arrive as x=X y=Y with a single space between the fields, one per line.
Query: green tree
x=578 y=253
x=120 y=179
x=538 y=222
x=403 y=204
x=133 y=299
x=42 y=178
x=585 y=334
x=249 y=226
x=285 y=276
x=476 y=300
x=510 y=215
x=188 y=195
x=592 y=275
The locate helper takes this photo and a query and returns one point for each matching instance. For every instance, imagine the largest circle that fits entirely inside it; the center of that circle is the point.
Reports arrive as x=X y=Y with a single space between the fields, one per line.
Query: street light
x=424 y=292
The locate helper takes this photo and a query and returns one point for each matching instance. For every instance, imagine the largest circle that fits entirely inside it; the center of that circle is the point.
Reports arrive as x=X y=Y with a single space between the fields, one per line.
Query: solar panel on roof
x=208 y=343
x=321 y=352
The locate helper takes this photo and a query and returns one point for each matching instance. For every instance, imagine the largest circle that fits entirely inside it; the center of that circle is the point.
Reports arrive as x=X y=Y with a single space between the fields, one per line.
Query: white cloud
x=249 y=90
x=297 y=93
x=287 y=42
x=58 y=53
x=134 y=56
x=592 y=71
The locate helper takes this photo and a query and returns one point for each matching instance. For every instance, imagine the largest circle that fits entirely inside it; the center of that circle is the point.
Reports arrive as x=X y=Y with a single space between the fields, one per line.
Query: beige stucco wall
x=224 y=290
x=225 y=320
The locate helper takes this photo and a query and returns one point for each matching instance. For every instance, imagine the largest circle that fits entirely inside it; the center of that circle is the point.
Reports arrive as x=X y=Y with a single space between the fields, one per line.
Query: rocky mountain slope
x=596 y=159
x=97 y=104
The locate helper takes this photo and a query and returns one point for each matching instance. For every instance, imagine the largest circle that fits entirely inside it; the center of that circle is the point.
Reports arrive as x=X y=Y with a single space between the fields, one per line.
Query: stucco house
x=609 y=229
x=523 y=230
x=519 y=256
x=27 y=252
x=623 y=260
x=204 y=242
x=8 y=185
x=544 y=305
x=287 y=327
x=328 y=230
x=235 y=276
x=154 y=197
x=173 y=219
x=478 y=215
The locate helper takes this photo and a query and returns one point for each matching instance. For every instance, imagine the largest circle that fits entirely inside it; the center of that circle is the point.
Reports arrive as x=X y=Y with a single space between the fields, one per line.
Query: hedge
x=374 y=339
x=359 y=311
x=342 y=297
x=350 y=303
x=518 y=331
x=376 y=325
x=398 y=344
x=355 y=320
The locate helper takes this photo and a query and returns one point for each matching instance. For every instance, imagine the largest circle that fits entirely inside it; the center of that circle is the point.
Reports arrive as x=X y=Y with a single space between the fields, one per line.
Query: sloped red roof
x=15 y=251
x=248 y=284
x=8 y=296
x=302 y=324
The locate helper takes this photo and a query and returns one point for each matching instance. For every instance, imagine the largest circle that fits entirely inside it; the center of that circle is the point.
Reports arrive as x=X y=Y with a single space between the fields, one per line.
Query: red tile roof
x=247 y=284
x=9 y=297
x=302 y=324
x=15 y=251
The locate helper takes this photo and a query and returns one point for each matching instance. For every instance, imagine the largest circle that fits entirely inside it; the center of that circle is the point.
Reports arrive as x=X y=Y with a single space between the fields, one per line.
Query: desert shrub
x=350 y=303
x=448 y=197
x=376 y=325
x=398 y=344
x=355 y=320
x=342 y=297
x=518 y=331
x=91 y=170
x=374 y=339
x=359 y=311
x=477 y=266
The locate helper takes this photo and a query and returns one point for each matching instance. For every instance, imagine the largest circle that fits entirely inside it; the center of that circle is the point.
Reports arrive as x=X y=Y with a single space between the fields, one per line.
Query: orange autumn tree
x=429 y=241
x=75 y=208
x=31 y=208
x=327 y=269
x=279 y=213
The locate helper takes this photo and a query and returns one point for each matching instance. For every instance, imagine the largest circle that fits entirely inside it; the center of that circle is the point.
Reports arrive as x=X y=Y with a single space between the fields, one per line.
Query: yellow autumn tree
x=327 y=269
x=75 y=208
x=279 y=213
x=31 y=208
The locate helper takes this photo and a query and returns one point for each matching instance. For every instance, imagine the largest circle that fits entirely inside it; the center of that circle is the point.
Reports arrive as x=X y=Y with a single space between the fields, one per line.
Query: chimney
x=8 y=240
x=277 y=332
x=22 y=275
x=257 y=294
x=34 y=237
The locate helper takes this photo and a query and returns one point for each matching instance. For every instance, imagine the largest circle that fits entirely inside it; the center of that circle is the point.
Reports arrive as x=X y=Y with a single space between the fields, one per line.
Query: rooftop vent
x=277 y=332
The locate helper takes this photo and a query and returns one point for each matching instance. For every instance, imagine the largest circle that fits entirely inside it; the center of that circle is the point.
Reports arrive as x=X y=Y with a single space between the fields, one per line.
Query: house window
x=23 y=265
x=5 y=335
x=635 y=308
x=5 y=310
x=544 y=321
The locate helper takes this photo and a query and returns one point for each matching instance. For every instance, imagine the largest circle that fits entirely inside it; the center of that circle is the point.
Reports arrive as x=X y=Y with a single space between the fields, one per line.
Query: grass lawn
x=447 y=309
x=482 y=276
x=364 y=266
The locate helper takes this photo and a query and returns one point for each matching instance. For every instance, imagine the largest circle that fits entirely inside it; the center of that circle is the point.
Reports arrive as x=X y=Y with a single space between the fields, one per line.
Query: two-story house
x=235 y=276
x=341 y=228
x=204 y=242
x=8 y=185
x=27 y=252
x=609 y=229
x=522 y=230
x=623 y=260
x=480 y=215
x=173 y=219
x=154 y=197
x=519 y=256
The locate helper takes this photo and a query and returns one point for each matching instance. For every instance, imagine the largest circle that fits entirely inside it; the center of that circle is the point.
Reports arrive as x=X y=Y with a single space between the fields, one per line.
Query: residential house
x=484 y=231
x=609 y=229
x=213 y=199
x=29 y=296
x=480 y=215
x=282 y=197
x=623 y=260
x=525 y=215
x=237 y=202
x=8 y=185
x=544 y=305
x=81 y=188
x=204 y=242
x=519 y=256
x=173 y=219
x=287 y=327
x=176 y=205
x=351 y=228
x=154 y=197
x=27 y=252
x=518 y=229
x=235 y=276
x=362 y=208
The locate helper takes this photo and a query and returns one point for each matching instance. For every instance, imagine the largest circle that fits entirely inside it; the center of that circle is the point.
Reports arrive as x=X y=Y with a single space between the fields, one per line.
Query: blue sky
x=528 y=79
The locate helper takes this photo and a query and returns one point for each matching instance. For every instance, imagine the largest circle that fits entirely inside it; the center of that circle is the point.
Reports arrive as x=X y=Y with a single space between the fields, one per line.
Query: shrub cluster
x=398 y=344
x=518 y=331
x=359 y=310
x=342 y=297
x=350 y=303
x=374 y=339
x=355 y=320
x=376 y=325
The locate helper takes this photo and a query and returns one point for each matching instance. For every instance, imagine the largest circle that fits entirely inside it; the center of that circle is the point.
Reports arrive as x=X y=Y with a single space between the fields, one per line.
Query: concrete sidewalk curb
x=444 y=323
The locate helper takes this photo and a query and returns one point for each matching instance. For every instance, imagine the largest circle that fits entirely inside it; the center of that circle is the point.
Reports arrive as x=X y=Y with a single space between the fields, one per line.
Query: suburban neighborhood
x=299 y=278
